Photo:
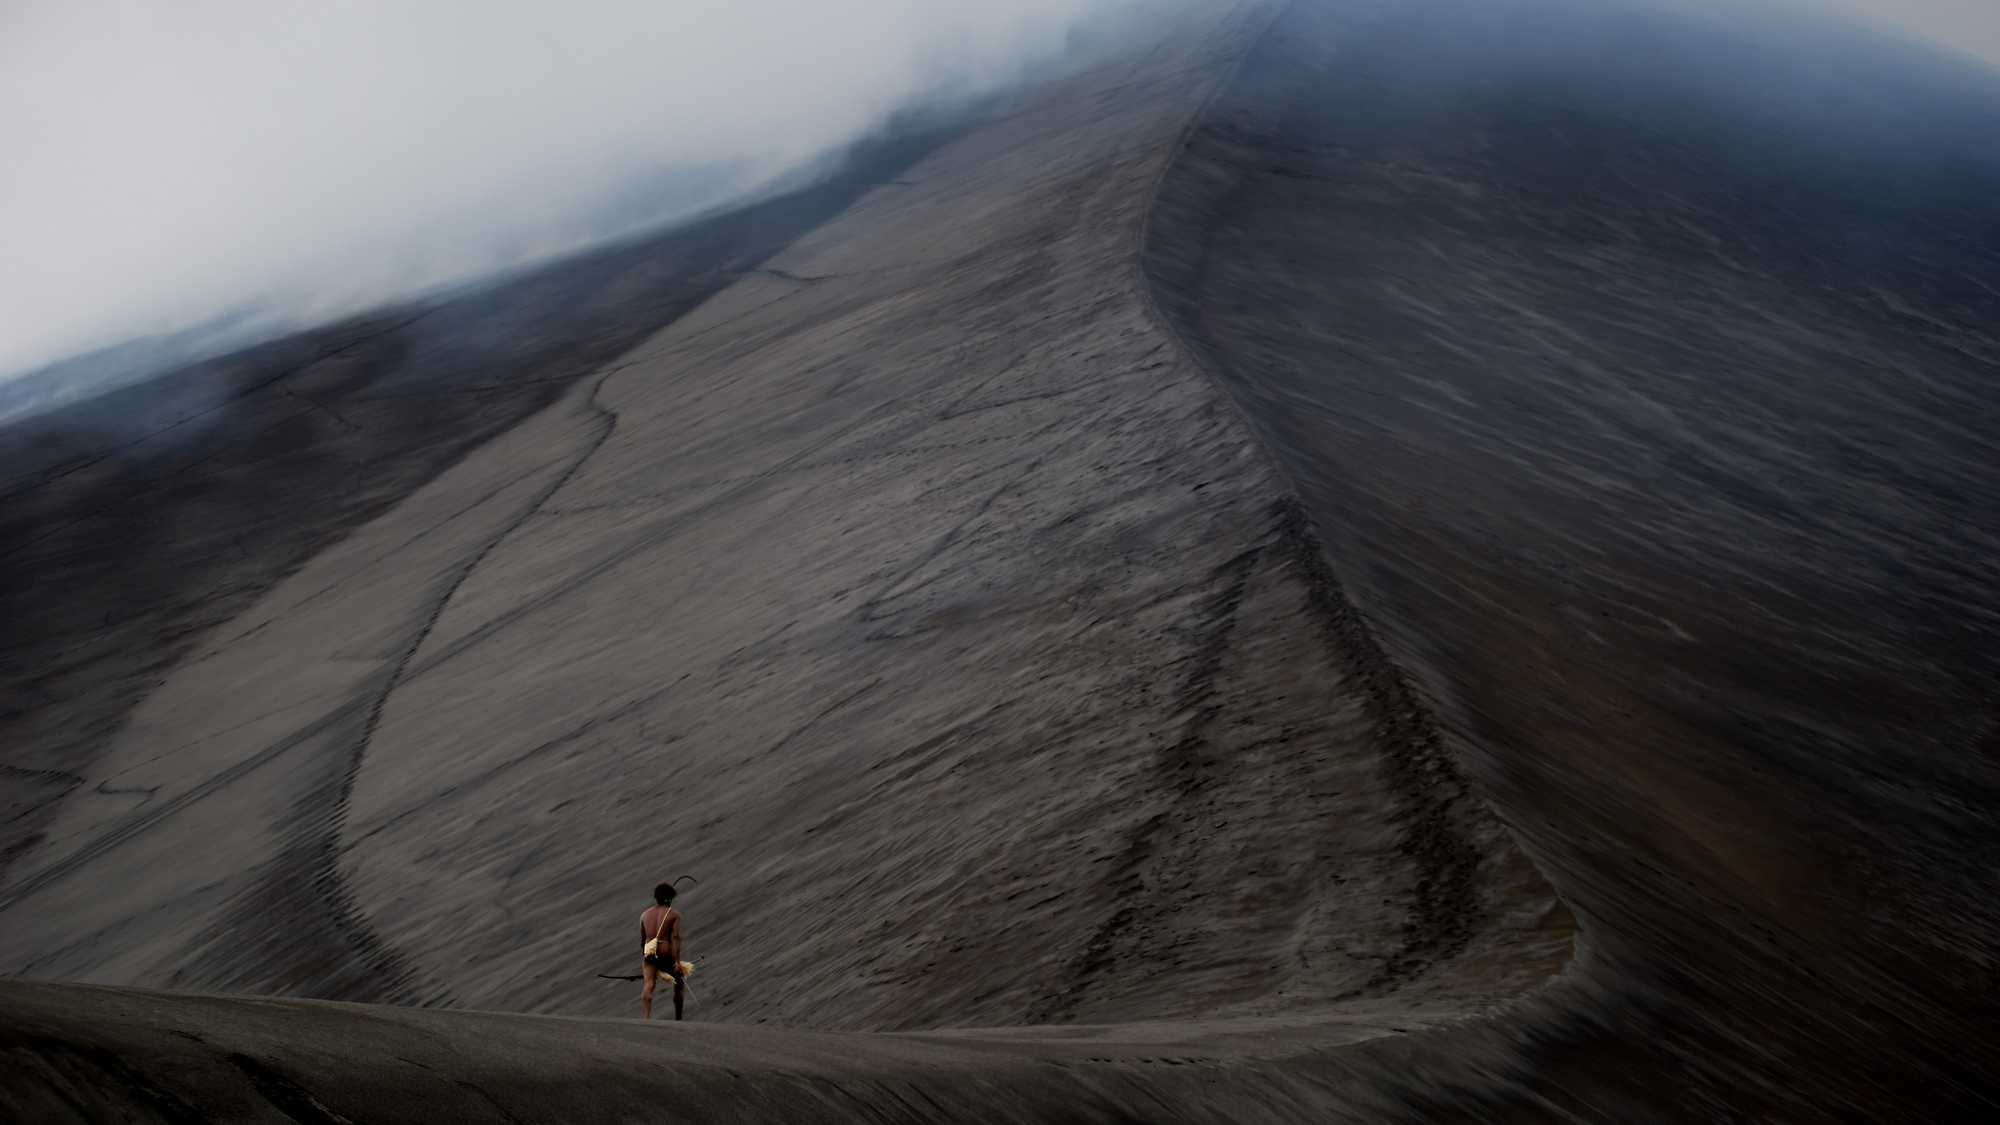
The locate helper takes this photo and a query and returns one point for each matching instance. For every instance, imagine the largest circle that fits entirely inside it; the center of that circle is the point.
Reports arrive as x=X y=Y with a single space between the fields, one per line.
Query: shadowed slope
x=1643 y=378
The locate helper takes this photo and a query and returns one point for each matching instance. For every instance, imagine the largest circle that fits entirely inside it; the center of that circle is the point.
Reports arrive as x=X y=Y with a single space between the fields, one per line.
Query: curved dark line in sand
x=307 y=855
x=1426 y=782
x=1187 y=770
x=327 y=848
x=1428 y=788
x=361 y=965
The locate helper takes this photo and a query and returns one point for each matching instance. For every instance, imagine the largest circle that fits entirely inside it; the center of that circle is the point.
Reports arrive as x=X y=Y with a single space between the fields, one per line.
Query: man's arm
x=674 y=958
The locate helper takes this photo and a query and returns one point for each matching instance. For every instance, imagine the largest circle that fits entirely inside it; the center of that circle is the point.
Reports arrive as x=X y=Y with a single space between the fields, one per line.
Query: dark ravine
x=1433 y=795
x=1187 y=763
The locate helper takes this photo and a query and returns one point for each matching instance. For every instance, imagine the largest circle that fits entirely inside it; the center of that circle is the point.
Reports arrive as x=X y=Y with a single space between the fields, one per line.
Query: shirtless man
x=663 y=922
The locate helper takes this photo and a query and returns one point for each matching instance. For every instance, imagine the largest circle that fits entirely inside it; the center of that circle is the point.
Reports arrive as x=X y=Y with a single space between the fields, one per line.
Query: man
x=660 y=939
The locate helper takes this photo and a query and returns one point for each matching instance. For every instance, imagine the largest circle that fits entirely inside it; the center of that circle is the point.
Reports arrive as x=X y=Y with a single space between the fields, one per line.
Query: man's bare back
x=661 y=923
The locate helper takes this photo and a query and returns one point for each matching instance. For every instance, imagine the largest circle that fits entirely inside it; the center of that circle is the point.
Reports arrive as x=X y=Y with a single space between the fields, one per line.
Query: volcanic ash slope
x=920 y=599
x=916 y=594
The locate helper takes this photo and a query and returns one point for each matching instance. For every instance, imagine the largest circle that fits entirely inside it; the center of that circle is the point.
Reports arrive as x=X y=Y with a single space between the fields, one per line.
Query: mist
x=1969 y=27
x=170 y=163
x=273 y=162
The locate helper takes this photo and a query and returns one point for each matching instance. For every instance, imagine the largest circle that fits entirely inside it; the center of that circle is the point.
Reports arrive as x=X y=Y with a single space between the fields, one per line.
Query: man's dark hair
x=664 y=894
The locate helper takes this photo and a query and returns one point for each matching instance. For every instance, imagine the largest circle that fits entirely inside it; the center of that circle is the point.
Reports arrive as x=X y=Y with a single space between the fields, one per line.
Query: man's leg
x=680 y=996
x=646 y=994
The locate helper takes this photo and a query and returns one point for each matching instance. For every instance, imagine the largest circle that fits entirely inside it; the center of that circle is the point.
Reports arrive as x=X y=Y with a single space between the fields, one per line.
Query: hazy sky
x=164 y=160
x=1970 y=26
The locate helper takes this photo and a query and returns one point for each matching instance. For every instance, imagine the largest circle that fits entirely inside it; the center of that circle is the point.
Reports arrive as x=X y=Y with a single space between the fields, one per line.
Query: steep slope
x=1643 y=377
x=916 y=592
x=931 y=586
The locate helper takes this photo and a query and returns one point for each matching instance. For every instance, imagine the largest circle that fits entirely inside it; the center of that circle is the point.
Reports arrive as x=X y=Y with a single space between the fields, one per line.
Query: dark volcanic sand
x=1646 y=384
x=1626 y=439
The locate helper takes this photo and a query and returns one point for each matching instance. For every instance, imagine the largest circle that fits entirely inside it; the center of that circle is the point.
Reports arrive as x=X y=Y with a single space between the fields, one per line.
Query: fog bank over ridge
x=279 y=163
x=173 y=162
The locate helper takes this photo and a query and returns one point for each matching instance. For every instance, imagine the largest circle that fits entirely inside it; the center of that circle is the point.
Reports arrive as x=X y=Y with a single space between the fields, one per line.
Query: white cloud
x=166 y=160
x=162 y=161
